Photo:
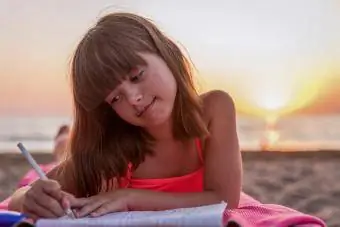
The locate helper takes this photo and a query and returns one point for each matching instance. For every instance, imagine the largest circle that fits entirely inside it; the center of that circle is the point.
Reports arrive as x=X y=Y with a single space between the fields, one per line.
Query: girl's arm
x=223 y=161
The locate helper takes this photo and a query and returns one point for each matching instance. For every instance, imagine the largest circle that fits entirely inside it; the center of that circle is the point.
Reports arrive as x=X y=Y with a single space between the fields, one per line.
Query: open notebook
x=211 y=215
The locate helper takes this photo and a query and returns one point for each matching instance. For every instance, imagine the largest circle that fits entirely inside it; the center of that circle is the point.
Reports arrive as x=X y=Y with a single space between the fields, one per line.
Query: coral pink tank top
x=192 y=182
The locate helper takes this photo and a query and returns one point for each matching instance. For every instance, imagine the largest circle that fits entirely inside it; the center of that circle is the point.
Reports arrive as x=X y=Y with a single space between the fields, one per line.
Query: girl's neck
x=162 y=132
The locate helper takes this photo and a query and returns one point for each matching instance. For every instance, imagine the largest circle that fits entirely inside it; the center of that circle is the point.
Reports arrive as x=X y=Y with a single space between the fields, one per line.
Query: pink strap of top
x=129 y=171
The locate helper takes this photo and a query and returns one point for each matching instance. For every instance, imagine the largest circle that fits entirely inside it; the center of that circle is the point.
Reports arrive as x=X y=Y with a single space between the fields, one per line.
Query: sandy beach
x=306 y=181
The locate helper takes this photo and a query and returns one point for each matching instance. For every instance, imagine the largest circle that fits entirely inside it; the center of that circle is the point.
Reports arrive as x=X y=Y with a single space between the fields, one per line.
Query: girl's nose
x=134 y=95
x=135 y=99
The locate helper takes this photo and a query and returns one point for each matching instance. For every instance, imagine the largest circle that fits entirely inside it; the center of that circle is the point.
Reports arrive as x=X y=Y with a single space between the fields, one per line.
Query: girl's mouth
x=139 y=114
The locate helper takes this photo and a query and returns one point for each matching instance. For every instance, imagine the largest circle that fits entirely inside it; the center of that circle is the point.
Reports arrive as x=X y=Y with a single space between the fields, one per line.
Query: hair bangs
x=103 y=62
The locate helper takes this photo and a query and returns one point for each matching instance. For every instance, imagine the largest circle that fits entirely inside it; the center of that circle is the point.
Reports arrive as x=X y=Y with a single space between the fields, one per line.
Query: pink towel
x=4 y=204
x=31 y=175
x=252 y=213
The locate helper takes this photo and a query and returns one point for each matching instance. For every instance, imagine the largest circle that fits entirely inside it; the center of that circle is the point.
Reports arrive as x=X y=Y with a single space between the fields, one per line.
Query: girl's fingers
x=49 y=204
x=90 y=206
x=77 y=202
x=36 y=210
x=65 y=203
x=109 y=207
x=52 y=188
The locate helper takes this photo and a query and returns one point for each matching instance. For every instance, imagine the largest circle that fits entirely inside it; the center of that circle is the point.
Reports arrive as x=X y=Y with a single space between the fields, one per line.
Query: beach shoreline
x=305 y=181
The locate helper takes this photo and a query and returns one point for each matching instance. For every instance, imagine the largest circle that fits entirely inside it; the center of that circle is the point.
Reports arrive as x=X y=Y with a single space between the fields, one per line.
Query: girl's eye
x=137 y=77
x=115 y=99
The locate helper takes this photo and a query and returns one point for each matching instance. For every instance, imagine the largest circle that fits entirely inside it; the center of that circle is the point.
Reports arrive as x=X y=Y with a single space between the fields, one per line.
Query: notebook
x=210 y=215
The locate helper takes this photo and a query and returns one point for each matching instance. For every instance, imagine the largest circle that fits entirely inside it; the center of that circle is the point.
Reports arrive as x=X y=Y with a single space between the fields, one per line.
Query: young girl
x=142 y=139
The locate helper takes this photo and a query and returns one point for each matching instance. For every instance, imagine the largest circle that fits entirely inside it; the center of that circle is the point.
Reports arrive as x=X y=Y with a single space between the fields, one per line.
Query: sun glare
x=271 y=95
x=284 y=95
x=272 y=101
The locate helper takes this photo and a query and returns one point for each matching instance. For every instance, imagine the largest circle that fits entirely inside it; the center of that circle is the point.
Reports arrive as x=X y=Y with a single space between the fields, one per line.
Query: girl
x=142 y=139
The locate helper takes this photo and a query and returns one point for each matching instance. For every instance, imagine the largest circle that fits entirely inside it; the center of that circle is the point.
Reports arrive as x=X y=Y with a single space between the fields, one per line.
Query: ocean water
x=290 y=133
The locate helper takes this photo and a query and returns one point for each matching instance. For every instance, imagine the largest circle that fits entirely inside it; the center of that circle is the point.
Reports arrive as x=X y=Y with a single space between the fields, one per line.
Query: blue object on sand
x=9 y=218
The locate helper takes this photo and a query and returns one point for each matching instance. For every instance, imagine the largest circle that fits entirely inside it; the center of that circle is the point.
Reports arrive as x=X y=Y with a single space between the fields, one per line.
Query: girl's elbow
x=233 y=204
x=232 y=201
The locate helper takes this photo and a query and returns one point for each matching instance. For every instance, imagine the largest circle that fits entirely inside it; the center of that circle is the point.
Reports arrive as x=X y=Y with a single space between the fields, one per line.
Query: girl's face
x=146 y=97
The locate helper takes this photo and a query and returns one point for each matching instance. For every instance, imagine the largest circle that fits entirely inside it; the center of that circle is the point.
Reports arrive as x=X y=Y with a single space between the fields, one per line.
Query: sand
x=306 y=181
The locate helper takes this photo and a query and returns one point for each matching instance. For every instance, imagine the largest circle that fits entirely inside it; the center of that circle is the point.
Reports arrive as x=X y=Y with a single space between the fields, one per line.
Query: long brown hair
x=102 y=144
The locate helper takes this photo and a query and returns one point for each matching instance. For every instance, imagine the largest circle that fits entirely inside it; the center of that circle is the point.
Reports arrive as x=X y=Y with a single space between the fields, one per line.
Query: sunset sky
x=270 y=55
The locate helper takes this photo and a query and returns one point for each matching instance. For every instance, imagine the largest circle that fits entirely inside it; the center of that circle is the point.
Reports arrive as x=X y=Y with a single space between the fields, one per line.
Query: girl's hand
x=45 y=199
x=103 y=203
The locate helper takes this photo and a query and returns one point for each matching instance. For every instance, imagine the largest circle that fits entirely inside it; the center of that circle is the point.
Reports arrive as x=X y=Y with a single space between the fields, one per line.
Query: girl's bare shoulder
x=214 y=102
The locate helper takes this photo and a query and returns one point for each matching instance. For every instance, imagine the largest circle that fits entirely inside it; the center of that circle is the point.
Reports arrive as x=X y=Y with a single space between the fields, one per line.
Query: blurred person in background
x=60 y=143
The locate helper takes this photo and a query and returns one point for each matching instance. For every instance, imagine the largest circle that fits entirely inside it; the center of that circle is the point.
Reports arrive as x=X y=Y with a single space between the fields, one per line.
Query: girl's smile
x=147 y=107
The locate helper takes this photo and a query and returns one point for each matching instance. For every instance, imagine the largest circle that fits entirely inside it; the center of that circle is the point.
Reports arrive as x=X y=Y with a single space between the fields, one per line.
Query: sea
x=293 y=133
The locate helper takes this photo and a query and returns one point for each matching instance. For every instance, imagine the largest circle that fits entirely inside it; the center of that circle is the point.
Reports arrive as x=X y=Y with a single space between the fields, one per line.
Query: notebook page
x=210 y=215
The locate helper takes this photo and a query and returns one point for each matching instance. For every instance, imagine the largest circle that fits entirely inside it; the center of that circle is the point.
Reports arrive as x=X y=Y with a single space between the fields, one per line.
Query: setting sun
x=273 y=98
x=280 y=95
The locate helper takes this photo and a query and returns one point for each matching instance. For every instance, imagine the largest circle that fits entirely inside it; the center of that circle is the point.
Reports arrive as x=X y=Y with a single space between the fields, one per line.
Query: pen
x=39 y=171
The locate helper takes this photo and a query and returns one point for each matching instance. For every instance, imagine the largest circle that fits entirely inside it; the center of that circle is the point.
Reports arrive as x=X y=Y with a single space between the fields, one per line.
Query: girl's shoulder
x=216 y=102
x=218 y=106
